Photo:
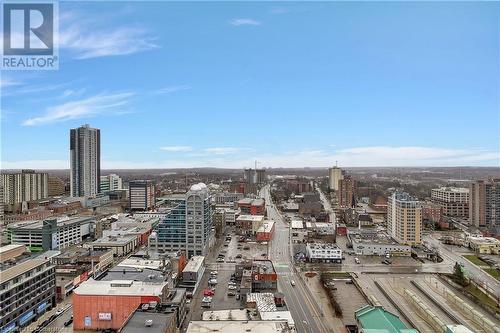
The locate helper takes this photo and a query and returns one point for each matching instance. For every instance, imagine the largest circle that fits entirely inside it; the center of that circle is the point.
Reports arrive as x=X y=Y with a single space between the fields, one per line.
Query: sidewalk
x=314 y=286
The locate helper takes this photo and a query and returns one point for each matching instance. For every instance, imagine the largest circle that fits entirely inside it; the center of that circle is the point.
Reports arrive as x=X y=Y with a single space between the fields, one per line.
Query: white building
x=334 y=175
x=404 y=218
x=111 y=182
x=323 y=252
x=50 y=234
x=85 y=161
x=453 y=200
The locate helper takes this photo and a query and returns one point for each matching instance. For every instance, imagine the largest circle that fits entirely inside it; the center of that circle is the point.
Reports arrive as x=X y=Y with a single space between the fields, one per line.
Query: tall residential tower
x=85 y=161
x=404 y=218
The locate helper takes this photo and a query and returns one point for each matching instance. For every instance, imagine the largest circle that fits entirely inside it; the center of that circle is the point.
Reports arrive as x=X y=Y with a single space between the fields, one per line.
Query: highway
x=304 y=309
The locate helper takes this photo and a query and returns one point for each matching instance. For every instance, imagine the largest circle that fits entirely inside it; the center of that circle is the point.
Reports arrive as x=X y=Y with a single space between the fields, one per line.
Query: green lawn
x=493 y=272
x=482 y=297
x=475 y=260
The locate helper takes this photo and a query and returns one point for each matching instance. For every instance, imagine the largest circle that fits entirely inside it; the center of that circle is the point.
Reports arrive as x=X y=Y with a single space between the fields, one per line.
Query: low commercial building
x=265 y=231
x=375 y=242
x=323 y=252
x=27 y=290
x=50 y=234
x=264 y=276
x=234 y=326
x=371 y=319
x=193 y=273
x=80 y=260
x=231 y=216
x=152 y=322
x=11 y=252
x=250 y=223
x=100 y=305
x=252 y=206
x=120 y=245
x=321 y=228
x=484 y=245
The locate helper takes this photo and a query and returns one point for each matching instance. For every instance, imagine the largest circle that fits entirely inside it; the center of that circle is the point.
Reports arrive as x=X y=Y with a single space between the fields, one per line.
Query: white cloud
x=224 y=150
x=244 y=21
x=172 y=89
x=85 y=36
x=176 y=148
x=376 y=156
x=9 y=82
x=83 y=108
x=87 y=42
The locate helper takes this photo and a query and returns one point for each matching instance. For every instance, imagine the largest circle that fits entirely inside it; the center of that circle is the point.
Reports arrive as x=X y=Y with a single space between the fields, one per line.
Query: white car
x=212 y=281
x=292 y=283
x=59 y=311
x=207 y=299
x=214 y=272
x=231 y=287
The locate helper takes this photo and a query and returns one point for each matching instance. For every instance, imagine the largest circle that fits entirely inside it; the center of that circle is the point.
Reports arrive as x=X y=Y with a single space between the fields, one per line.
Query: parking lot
x=231 y=254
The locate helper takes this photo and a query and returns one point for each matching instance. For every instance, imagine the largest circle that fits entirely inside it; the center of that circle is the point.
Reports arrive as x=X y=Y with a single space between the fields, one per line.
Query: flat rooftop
x=236 y=326
x=133 y=273
x=231 y=314
x=194 y=264
x=253 y=218
x=38 y=224
x=250 y=201
x=267 y=226
x=20 y=268
x=11 y=247
x=160 y=322
x=114 y=240
x=323 y=246
x=120 y=288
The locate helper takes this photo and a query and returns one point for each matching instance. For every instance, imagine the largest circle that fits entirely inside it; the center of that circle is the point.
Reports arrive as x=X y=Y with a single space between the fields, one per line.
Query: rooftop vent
x=148 y=323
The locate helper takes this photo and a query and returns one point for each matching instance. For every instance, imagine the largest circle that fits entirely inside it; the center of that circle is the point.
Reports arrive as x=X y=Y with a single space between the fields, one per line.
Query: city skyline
x=286 y=84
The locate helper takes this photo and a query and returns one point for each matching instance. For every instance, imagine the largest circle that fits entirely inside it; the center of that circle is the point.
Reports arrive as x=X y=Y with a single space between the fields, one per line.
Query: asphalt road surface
x=305 y=311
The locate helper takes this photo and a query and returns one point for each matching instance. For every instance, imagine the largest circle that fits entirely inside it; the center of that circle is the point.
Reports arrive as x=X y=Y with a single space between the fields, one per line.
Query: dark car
x=68 y=322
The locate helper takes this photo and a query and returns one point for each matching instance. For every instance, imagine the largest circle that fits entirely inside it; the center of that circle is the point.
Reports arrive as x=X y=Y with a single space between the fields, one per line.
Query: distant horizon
x=282 y=168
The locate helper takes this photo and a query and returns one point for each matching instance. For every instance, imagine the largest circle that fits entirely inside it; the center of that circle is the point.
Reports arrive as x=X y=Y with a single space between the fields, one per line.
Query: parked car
x=238 y=256
x=212 y=281
x=356 y=260
x=231 y=287
x=292 y=283
x=238 y=296
x=59 y=311
x=68 y=322
x=220 y=260
x=206 y=305
x=214 y=272
x=231 y=293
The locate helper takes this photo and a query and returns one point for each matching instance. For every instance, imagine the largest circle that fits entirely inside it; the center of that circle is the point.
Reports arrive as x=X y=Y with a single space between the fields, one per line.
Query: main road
x=328 y=207
x=304 y=309
x=451 y=257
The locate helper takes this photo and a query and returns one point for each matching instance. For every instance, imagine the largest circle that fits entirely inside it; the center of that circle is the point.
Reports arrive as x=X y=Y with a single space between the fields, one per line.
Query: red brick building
x=99 y=305
x=250 y=206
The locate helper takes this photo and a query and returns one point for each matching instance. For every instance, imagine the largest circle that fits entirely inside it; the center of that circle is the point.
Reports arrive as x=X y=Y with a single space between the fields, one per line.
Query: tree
x=459 y=274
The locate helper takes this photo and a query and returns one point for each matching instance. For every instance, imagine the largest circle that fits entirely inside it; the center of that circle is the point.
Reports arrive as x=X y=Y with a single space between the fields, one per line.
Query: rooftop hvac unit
x=148 y=323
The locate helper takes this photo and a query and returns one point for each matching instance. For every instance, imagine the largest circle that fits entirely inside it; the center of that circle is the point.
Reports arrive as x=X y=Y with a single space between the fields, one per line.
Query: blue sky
x=288 y=84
